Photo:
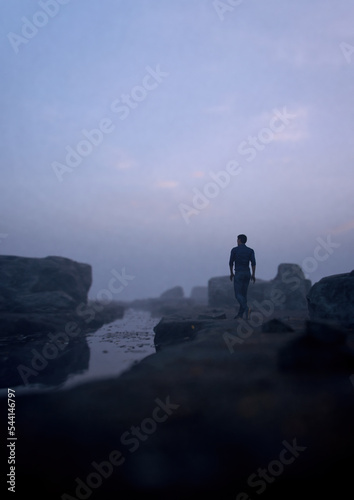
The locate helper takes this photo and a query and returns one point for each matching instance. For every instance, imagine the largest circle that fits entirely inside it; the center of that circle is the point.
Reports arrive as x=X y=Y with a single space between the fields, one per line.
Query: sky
x=141 y=137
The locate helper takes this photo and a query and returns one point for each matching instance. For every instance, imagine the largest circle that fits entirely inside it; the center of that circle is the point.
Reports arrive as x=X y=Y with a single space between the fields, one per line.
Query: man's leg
x=244 y=290
x=240 y=287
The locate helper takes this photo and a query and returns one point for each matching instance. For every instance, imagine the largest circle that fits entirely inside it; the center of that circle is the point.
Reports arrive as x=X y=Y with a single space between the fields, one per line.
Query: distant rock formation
x=174 y=293
x=288 y=290
x=200 y=294
x=332 y=299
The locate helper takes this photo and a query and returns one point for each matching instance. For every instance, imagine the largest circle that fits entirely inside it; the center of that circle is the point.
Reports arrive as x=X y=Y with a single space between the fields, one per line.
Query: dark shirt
x=242 y=256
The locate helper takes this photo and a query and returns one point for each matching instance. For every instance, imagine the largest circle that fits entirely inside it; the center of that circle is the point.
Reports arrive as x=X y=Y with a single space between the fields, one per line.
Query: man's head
x=241 y=239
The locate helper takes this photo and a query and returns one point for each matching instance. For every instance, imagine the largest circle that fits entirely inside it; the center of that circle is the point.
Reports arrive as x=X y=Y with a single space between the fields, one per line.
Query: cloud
x=343 y=228
x=125 y=164
x=198 y=174
x=119 y=159
x=167 y=184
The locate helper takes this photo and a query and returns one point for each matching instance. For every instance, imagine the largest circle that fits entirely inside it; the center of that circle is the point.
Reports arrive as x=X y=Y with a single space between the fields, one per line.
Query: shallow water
x=107 y=352
x=116 y=346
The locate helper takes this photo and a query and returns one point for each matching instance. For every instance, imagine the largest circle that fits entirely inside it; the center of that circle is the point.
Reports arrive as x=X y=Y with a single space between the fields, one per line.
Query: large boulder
x=290 y=281
x=42 y=295
x=287 y=291
x=174 y=293
x=169 y=302
x=221 y=291
x=332 y=299
x=51 y=283
x=200 y=294
x=44 y=316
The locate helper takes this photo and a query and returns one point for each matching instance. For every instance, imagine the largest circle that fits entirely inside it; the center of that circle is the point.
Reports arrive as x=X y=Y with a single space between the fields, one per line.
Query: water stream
x=107 y=352
x=115 y=347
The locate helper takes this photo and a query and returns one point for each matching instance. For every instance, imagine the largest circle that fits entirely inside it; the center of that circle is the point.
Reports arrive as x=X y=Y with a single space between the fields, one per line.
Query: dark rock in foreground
x=174 y=330
x=230 y=408
x=332 y=299
x=276 y=326
x=233 y=412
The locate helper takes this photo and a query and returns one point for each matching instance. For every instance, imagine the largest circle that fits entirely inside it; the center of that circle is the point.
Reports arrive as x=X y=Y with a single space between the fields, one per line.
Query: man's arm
x=253 y=277
x=253 y=265
x=231 y=264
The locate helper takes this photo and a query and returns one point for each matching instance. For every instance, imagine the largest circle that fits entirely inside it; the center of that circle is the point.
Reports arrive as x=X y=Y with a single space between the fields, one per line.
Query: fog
x=142 y=137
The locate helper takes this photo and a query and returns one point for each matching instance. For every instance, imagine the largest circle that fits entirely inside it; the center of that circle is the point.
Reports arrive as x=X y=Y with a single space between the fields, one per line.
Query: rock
x=322 y=349
x=276 y=326
x=186 y=326
x=332 y=299
x=42 y=295
x=191 y=420
x=46 y=360
x=174 y=330
x=173 y=293
x=287 y=291
x=199 y=294
x=51 y=283
x=44 y=316
x=290 y=281
x=326 y=333
x=212 y=316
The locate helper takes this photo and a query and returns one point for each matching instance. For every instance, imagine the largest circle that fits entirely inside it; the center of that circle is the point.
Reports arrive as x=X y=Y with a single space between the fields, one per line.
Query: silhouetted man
x=241 y=257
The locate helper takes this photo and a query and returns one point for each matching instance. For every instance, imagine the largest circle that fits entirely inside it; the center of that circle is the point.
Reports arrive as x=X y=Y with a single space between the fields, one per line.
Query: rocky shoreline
x=227 y=407
x=203 y=415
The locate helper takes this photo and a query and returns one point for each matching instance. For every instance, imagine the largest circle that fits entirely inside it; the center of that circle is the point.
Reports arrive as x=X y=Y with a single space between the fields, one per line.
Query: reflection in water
x=38 y=363
x=117 y=346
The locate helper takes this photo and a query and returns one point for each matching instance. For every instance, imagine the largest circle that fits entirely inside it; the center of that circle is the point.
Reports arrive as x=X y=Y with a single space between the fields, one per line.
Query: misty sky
x=142 y=136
